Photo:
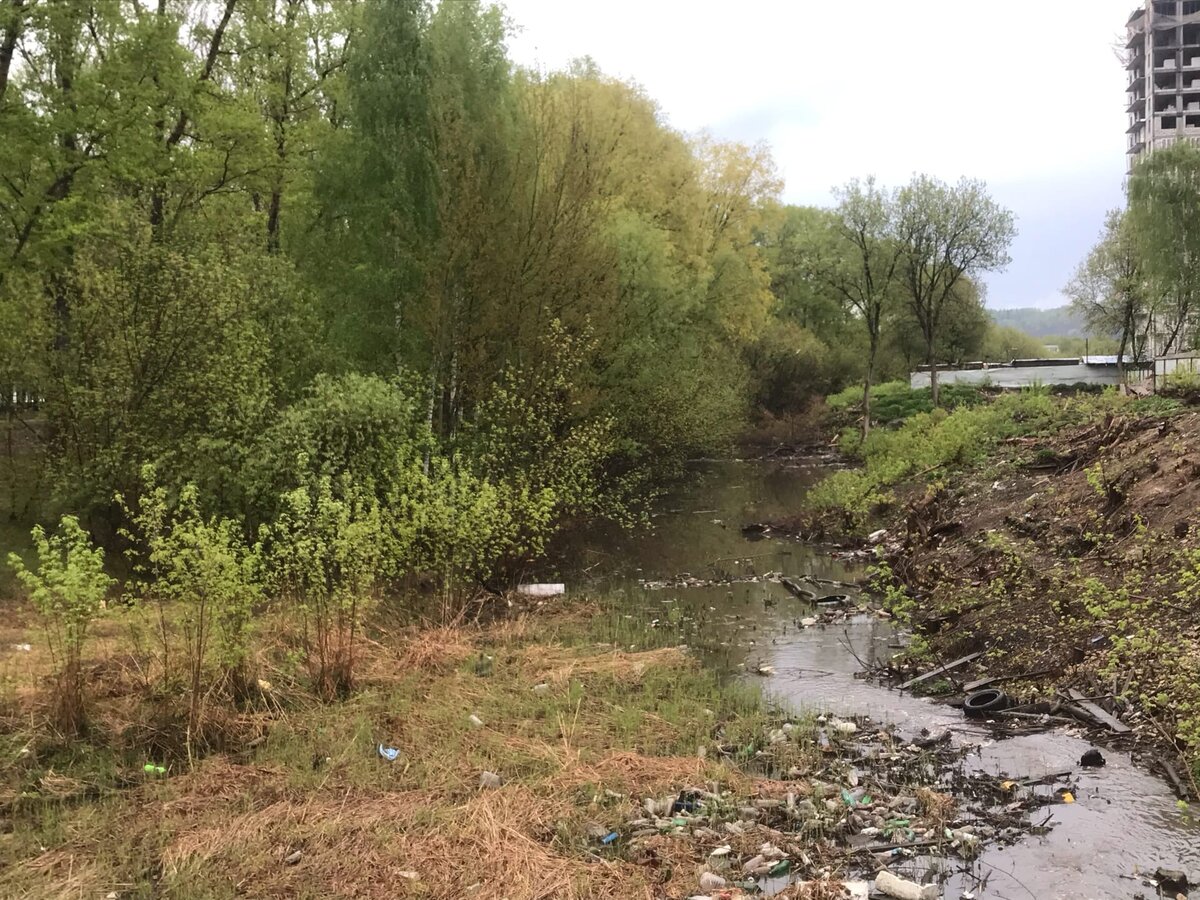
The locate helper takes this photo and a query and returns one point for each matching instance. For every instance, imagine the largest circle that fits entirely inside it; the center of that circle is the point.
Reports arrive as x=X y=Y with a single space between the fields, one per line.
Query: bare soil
x=1067 y=559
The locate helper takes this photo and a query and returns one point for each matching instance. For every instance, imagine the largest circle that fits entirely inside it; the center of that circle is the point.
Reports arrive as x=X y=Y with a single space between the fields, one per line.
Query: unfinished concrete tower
x=1163 y=61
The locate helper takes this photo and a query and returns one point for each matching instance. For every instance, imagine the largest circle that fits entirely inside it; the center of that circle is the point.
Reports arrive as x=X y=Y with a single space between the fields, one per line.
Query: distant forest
x=1062 y=321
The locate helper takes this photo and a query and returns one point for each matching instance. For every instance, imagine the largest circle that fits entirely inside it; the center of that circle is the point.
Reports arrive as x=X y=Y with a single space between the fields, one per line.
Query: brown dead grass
x=435 y=650
x=557 y=665
x=497 y=843
x=640 y=775
x=226 y=826
x=939 y=808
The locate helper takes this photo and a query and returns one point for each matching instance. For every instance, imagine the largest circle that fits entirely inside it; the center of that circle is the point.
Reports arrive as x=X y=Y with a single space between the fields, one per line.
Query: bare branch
x=210 y=61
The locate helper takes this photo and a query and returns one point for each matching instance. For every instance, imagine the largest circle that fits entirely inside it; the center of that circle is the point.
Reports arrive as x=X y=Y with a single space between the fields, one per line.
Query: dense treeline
x=230 y=225
x=260 y=242
x=302 y=299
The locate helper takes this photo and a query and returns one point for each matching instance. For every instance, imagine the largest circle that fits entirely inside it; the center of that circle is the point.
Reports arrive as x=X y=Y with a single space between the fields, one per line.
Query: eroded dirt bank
x=1072 y=560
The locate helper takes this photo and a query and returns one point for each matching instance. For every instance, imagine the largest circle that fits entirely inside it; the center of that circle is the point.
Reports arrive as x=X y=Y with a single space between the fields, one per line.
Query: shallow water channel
x=1125 y=821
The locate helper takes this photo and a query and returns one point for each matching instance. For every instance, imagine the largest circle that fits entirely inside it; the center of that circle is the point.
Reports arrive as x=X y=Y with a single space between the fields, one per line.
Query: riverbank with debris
x=647 y=735
x=1069 y=563
x=522 y=759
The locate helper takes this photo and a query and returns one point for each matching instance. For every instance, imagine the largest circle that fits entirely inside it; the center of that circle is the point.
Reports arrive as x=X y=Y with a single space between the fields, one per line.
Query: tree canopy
x=353 y=250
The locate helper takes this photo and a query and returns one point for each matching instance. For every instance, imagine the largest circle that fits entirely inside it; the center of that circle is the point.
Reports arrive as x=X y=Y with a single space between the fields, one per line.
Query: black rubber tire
x=988 y=700
x=833 y=600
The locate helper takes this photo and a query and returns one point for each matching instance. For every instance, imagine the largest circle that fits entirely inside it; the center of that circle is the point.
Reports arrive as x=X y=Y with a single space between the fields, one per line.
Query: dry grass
x=939 y=808
x=644 y=774
x=434 y=650
x=362 y=826
x=557 y=665
x=495 y=844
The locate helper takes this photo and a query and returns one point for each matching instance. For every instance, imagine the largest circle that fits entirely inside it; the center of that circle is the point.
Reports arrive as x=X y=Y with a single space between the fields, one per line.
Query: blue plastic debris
x=609 y=838
x=388 y=753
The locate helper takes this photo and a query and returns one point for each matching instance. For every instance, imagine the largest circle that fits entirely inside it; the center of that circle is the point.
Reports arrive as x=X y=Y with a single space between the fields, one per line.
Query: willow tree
x=1108 y=288
x=946 y=233
x=1164 y=214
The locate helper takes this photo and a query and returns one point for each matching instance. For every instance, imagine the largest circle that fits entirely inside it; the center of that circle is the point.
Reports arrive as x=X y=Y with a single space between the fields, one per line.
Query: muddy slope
x=1073 y=557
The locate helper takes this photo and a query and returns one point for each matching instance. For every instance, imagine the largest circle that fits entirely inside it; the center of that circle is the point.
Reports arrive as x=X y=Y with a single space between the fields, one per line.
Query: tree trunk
x=452 y=416
x=874 y=348
x=866 y=406
x=1126 y=327
x=8 y=42
x=273 y=211
x=281 y=120
x=931 y=360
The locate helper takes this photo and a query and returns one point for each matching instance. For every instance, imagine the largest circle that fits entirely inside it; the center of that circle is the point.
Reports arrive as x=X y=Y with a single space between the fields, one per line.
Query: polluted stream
x=694 y=570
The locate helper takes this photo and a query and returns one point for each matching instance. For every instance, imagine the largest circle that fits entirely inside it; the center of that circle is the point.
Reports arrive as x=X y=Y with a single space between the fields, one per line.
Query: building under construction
x=1163 y=61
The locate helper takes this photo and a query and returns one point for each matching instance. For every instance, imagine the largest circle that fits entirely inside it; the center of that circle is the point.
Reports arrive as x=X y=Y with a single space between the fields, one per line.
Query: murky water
x=1125 y=821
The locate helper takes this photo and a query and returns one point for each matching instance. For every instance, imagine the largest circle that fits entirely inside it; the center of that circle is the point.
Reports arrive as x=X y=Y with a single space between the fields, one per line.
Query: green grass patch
x=896 y=401
x=932 y=441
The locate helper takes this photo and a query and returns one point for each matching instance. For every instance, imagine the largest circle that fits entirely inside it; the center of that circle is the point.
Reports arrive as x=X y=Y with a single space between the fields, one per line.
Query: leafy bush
x=328 y=550
x=528 y=459
x=68 y=589
x=205 y=569
x=546 y=460
x=353 y=429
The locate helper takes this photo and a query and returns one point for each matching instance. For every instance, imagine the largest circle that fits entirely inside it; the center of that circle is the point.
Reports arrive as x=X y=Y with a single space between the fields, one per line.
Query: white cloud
x=1026 y=94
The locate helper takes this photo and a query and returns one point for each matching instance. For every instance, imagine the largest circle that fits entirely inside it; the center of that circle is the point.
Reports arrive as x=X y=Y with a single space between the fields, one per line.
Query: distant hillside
x=1057 y=322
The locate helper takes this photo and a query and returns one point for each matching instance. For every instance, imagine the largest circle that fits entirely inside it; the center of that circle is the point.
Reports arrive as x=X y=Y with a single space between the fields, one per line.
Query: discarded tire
x=986 y=701
x=833 y=600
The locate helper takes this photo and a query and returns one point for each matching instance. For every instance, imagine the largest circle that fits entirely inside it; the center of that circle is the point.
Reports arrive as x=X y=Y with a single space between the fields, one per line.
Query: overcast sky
x=1025 y=94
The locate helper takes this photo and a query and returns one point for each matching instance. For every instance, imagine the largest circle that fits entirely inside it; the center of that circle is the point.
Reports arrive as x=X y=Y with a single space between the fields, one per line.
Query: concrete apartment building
x=1162 y=58
x=1163 y=62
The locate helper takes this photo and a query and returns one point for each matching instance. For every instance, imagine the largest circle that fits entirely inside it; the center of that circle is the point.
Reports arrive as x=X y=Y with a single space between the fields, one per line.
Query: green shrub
x=482 y=502
x=1182 y=383
x=68 y=588
x=896 y=401
x=354 y=429
x=205 y=569
x=850 y=441
x=1156 y=405
x=851 y=397
x=329 y=549
x=928 y=441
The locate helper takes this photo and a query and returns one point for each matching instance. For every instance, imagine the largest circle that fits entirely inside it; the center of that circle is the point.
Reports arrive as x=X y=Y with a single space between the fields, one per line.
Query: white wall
x=1010 y=377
